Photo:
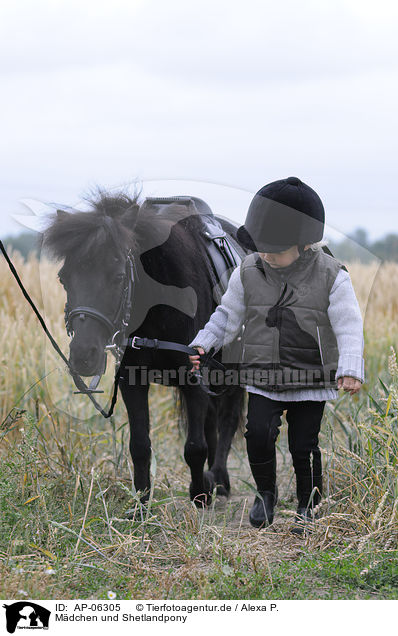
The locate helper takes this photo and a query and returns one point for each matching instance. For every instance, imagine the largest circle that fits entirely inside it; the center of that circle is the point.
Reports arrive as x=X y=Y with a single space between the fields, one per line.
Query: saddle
x=224 y=253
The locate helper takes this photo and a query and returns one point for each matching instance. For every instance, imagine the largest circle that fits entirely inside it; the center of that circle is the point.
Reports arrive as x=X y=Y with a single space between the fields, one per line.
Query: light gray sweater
x=345 y=318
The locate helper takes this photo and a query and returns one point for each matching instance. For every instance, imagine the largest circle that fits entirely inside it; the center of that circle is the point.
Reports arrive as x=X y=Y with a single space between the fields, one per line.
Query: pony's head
x=94 y=247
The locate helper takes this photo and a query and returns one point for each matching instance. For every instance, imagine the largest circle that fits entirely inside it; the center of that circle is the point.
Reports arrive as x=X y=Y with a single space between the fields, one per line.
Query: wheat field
x=66 y=481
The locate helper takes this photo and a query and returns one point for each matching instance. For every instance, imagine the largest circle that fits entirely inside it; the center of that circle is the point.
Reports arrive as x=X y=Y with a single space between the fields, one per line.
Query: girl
x=302 y=338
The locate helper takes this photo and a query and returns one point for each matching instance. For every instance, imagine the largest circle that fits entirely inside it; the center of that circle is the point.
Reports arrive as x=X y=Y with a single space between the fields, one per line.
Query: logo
x=303 y=290
x=26 y=615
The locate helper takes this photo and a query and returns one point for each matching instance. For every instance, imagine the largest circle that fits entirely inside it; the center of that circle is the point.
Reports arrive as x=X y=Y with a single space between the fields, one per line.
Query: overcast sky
x=178 y=94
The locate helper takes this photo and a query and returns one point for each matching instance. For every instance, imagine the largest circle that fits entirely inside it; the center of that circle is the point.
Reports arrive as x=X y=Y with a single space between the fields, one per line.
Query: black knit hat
x=282 y=214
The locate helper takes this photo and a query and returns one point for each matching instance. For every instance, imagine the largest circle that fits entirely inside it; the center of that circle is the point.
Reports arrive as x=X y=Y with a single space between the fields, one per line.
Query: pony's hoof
x=221 y=480
x=222 y=491
x=202 y=497
x=140 y=510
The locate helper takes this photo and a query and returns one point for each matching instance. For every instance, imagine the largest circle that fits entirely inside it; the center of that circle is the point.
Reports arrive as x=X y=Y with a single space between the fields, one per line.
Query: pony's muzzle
x=87 y=361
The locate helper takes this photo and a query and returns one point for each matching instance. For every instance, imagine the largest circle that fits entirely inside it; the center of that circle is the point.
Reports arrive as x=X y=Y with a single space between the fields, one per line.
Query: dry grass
x=67 y=483
x=376 y=289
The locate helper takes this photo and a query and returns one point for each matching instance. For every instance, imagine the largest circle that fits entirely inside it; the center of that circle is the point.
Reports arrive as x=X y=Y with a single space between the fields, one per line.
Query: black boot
x=308 y=498
x=262 y=511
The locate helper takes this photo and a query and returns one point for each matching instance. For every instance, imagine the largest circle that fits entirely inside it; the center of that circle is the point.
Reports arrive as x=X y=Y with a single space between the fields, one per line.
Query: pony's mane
x=114 y=219
x=84 y=235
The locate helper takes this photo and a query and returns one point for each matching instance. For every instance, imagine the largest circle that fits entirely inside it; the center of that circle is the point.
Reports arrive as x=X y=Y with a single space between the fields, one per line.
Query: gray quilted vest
x=288 y=341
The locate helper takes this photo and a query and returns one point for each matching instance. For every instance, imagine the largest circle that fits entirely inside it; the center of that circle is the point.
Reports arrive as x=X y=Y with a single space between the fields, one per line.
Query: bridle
x=116 y=326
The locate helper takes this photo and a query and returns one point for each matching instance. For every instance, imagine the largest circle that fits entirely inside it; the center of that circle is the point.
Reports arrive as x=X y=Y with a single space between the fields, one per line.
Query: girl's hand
x=350 y=385
x=195 y=360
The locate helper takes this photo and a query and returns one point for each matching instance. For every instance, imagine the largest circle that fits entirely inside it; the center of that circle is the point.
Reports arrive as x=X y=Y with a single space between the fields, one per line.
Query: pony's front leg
x=195 y=449
x=136 y=400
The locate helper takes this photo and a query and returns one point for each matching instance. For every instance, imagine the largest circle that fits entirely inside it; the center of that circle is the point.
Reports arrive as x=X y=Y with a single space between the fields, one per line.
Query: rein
x=207 y=359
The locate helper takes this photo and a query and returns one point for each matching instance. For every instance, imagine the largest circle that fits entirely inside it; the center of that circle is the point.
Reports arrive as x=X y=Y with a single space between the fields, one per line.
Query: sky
x=213 y=99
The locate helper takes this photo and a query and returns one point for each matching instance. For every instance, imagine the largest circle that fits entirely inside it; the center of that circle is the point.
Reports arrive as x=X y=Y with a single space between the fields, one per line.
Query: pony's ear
x=61 y=214
x=130 y=216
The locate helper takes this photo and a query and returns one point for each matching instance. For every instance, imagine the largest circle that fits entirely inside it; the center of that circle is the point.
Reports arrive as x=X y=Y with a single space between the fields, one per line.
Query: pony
x=172 y=297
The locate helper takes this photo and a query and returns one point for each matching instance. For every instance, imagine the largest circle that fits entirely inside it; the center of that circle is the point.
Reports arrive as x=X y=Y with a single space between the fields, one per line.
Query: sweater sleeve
x=226 y=321
x=346 y=321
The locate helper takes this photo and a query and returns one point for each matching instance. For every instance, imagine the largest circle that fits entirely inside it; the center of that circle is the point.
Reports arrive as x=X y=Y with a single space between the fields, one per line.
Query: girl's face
x=282 y=259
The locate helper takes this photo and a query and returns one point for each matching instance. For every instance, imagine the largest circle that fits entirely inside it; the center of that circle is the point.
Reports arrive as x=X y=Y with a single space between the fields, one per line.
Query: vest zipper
x=277 y=336
x=320 y=345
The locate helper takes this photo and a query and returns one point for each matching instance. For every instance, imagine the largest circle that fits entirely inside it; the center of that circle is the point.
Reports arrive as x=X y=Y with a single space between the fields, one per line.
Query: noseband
x=116 y=326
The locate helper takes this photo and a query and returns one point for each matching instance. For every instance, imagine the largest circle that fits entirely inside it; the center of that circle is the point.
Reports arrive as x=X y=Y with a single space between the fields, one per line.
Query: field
x=66 y=483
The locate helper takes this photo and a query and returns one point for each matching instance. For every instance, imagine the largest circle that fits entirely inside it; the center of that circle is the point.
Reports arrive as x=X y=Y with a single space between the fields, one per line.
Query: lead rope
x=76 y=378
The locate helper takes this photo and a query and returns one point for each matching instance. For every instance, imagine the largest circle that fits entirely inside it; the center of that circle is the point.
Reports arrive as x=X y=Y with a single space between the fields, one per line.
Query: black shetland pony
x=173 y=297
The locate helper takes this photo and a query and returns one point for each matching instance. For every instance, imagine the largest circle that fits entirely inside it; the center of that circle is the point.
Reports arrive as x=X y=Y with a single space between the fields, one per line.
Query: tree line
x=358 y=247
x=355 y=247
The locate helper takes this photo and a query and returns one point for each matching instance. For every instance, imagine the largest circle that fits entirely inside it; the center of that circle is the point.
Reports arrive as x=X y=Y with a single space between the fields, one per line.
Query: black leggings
x=263 y=422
